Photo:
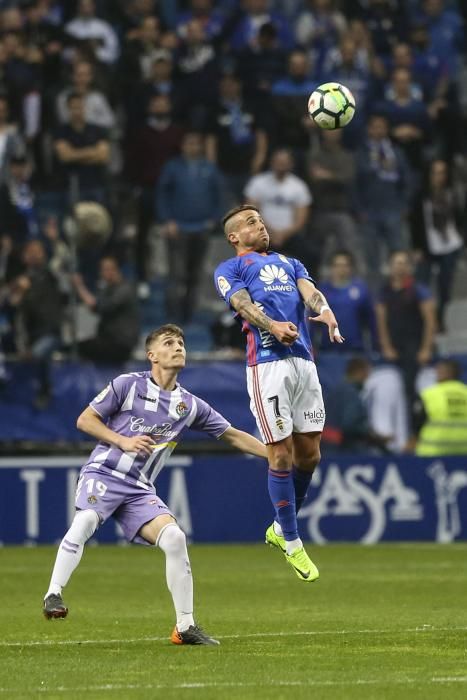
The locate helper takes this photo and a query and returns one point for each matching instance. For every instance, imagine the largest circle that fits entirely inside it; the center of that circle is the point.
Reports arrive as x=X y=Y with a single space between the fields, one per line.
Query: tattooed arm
x=284 y=331
x=316 y=301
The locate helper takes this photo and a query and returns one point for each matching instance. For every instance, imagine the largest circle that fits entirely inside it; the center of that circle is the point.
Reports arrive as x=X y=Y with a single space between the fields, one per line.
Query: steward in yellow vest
x=444 y=431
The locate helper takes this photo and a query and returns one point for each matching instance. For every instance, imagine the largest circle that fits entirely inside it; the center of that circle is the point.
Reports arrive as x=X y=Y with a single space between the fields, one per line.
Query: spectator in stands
x=320 y=27
x=202 y=11
x=18 y=215
x=445 y=27
x=351 y=301
x=442 y=414
x=97 y=109
x=255 y=14
x=6 y=247
x=291 y=123
x=364 y=50
x=428 y=71
x=11 y=142
x=437 y=222
x=440 y=90
x=149 y=148
x=236 y=141
x=160 y=82
x=11 y=18
x=46 y=35
x=10 y=268
x=383 y=188
x=386 y=20
x=94 y=32
x=384 y=396
x=284 y=201
x=348 y=70
x=82 y=150
x=347 y=422
x=407 y=115
x=198 y=74
x=62 y=259
x=22 y=77
x=406 y=318
x=261 y=66
x=116 y=305
x=132 y=13
x=141 y=48
x=332 y=180
x=30 y=65
x=189 y=205
x=35 y=296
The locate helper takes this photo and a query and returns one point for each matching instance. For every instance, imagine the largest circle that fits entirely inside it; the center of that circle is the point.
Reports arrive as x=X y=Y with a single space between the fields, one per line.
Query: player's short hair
x=235 y=211
x=452 y=366
x=166 y=329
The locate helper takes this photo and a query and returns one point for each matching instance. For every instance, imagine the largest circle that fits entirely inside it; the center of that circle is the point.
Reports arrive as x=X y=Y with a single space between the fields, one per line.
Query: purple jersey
x=133 y=404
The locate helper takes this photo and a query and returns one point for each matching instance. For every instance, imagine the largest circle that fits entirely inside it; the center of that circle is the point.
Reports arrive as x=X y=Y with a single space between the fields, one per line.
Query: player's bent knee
x=280 y=458
x=151 y=530
x=84 y=525
x=280 y=465
x=310 y=461
x=172 y=539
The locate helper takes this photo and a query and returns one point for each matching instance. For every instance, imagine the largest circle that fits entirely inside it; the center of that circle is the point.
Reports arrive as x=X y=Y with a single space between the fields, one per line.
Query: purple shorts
x=130 y=505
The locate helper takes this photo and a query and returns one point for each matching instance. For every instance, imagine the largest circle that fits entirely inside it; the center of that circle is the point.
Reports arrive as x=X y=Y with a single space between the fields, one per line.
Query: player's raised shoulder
x=127 y=376
x=226 y=266
x=123 y=382
x=225 y=276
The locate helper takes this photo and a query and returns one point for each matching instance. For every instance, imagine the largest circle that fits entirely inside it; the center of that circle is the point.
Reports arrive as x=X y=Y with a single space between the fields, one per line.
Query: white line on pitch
x=233 y=684
x=253 y=635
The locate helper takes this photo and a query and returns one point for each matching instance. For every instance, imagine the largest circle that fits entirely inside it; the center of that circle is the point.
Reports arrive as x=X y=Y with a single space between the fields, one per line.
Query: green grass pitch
x=383 y=622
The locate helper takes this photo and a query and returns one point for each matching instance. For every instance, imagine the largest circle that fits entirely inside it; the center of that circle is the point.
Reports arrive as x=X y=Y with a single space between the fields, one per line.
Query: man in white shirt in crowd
x=97 y=109
x=87 y=27
x=284 y=200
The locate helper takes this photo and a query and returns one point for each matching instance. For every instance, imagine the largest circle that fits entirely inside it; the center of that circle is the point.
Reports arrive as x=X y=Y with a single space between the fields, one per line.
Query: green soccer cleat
x=302 y=565
x=274 y=540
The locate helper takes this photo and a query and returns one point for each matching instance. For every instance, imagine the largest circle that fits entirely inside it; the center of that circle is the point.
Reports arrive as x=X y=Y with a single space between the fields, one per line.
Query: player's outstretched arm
x=244 y=442
x=316 y=301
x=91 y=423
x=285 y=331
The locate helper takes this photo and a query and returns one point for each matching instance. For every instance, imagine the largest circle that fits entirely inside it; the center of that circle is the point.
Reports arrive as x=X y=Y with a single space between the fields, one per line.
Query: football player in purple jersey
x=271 y=295
x=137 y=419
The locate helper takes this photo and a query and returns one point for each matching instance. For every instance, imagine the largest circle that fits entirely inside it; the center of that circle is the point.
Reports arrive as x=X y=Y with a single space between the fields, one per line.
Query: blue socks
x=301 y=482
x=282 y=493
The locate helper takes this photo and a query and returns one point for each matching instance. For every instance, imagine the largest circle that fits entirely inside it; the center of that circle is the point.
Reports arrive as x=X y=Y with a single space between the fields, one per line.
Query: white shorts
x=285 y=398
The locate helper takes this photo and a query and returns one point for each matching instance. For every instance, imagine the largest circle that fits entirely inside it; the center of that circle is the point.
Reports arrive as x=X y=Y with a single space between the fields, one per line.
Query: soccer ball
x=331 y=106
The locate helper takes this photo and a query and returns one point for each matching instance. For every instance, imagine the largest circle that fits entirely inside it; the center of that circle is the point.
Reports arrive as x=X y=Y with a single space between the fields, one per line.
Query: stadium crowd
x=125 y=121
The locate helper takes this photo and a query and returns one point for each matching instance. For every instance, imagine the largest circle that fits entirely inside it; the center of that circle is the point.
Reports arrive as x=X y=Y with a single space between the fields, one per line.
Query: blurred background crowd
x=127 y=128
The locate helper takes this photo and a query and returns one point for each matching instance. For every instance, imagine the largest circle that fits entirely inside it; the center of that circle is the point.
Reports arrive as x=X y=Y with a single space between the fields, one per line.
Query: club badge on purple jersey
x=182 y=409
